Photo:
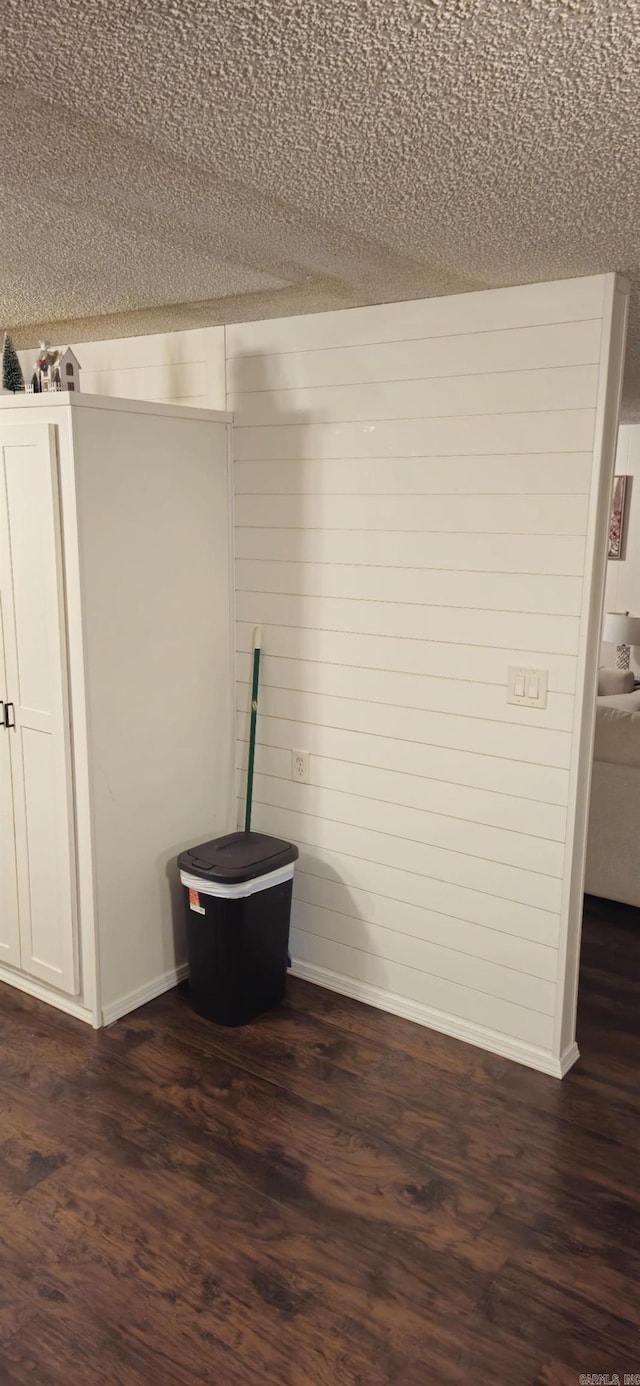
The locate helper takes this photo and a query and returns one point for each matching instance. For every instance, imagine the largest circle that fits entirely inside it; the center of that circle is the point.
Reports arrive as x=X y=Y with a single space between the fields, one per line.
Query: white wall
x=416 y=508
x=156 y=644
x=622 y=591
x=177 y=367
x=414 y=485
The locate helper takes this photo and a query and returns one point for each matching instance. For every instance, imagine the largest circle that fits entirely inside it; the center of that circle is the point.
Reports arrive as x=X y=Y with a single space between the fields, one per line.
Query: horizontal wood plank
x=503 y=881
x=390 y=654
x=497 y=810
x=174 y=380
x=544 y=783
x=484 y=515
x=532 y=744
x=328 y=868
x=569 y=300
x=531 y=592
x=564 y=430
x=469 y=552
x=544 y=473
x=495 y=394
x=509 y=951
x=156 y=349
x=553 y=344
x=433 y=959
x=416 y=825
x=457 y=697
x=499 y=629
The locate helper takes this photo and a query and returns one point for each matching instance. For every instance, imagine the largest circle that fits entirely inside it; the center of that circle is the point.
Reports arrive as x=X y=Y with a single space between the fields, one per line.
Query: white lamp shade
x=620 y=629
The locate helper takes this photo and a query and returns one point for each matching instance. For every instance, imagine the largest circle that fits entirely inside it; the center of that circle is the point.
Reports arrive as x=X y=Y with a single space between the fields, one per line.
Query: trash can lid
x=237 y=857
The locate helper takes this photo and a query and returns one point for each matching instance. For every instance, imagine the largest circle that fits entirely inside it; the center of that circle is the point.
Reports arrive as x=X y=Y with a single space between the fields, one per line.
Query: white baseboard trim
x=134 y=999
x=42 y=993
x=517 y=1050
x=569 y=1058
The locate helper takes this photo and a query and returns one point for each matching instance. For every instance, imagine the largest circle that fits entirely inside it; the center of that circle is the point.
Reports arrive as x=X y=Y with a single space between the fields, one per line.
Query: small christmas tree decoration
x=34 y=388
x=12 y=377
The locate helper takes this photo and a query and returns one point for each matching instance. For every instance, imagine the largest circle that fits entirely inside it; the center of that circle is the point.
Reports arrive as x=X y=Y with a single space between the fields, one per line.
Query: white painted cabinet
x=115 y=689
x=9 y=920
x=37 y=809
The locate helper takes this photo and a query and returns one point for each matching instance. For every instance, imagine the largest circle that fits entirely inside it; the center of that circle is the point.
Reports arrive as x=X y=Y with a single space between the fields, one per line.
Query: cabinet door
x=31 y=581
x=9 y=928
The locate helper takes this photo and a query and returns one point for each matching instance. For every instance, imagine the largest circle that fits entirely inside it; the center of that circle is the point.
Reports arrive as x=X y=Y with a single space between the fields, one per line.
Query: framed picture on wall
x=617 y=519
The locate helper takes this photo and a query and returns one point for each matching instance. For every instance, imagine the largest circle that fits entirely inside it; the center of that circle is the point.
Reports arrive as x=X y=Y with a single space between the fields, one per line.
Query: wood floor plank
x=555 y=1322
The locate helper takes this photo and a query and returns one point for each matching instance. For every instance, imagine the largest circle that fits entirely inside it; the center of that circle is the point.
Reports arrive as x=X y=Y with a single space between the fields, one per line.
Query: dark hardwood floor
x=330 y=1196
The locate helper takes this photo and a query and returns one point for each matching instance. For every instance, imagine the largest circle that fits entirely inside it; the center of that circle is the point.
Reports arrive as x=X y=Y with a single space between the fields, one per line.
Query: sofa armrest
x=614 y=681
x=613 y=847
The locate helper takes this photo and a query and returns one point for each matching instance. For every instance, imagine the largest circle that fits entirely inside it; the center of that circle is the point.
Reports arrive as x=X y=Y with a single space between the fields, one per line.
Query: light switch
x=528 y=687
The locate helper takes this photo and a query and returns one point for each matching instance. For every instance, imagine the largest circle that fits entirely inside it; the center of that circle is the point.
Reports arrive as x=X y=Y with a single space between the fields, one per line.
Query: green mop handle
x=257 y=642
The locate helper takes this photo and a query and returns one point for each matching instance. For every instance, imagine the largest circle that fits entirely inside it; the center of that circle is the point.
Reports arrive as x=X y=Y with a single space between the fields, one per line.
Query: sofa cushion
x=613 y=681
x=625 y=702
x=617 y=735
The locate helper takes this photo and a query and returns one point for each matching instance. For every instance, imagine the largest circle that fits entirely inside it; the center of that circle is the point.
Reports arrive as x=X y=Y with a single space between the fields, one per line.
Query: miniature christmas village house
x=57 y=368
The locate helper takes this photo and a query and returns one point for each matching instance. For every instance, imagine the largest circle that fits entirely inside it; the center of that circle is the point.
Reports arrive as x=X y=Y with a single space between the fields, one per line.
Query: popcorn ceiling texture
x=170 y=163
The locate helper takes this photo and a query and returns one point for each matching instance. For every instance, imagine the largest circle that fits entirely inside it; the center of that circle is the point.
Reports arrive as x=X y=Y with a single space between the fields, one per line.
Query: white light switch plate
x=528 y=687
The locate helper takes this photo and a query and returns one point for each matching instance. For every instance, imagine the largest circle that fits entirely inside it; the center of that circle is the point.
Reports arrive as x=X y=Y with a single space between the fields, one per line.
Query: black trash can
x=238 y=899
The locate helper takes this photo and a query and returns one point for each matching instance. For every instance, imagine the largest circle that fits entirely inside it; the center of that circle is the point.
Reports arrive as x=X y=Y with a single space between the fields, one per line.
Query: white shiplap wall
x=413 y=492
x=415 y=482
x=176 y=367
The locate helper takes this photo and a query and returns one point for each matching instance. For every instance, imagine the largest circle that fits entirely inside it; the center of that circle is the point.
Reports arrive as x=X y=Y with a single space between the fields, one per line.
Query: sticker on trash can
x=194 y=901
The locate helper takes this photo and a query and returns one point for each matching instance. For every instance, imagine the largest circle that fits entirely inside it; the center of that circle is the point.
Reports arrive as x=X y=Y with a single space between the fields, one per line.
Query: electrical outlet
x=300 y=766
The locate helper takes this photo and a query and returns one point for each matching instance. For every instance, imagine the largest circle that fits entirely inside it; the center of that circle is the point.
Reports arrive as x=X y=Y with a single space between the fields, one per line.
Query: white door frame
x=612 y=355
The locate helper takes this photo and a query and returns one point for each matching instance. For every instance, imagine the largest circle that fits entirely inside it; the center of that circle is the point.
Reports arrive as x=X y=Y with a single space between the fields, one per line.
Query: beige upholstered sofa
x=613 y=851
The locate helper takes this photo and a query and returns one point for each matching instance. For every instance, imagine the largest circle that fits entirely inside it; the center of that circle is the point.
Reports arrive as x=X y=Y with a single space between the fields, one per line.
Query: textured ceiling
x=168 y=163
